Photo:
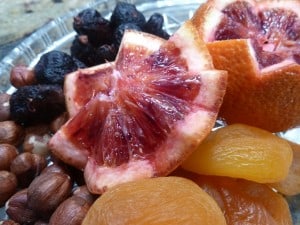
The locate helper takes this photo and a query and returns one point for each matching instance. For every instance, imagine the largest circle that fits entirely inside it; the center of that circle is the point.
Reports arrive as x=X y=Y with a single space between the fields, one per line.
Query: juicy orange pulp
x=267 y=97
x=155 y=201
x=242 y=151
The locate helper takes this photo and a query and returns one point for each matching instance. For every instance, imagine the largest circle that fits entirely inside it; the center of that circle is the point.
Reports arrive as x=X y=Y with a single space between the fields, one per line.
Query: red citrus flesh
x=154 y=112
x=257 y=42
x=82 y=85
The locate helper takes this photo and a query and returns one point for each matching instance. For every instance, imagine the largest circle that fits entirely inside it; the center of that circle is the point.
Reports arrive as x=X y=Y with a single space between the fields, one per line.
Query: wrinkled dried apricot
x=242 y=151
x=243 y=201
x=291 y=184
x=155 y=201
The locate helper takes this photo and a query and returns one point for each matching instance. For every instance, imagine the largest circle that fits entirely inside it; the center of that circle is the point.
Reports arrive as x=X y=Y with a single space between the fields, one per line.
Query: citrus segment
x=242 y=201
x=157 y=110
x=242 y=151
x=257 y=42
x=96 y=79
x=291 y=184
x=155 y=201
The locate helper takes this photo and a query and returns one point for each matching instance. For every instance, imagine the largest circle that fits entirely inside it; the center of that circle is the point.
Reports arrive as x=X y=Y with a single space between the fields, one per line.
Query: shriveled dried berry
x=126 y=13
x=53 y=66
x=91 y=23
x=119 y=32
x=36 y=103
x=155 y=26
x=83 y=51
x=106 y=53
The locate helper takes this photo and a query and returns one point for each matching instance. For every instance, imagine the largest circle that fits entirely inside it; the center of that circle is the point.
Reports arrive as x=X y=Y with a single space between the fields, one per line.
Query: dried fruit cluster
x=34 y=192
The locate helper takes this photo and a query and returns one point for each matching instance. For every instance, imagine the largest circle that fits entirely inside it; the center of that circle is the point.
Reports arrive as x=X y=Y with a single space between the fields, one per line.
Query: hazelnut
x=58 y=122
x=8 y=186
x=21 y=76
x=55 y=168
x=17 y=208
x=36 y=140
x=71 y=212
x=84 y=193
x=11 y=133
x=47 y=191
x=26 y=166
x=4 y=107
x=8 y=222
x=7 y=154
x=40 y=222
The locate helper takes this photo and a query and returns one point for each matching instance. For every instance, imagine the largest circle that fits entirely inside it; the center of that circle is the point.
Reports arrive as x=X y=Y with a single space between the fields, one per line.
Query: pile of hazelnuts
x=35 y=187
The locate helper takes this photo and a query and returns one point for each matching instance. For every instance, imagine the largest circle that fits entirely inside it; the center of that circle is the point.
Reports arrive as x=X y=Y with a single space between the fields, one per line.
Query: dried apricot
x=291 y=184
x=155 y=201
x=242 y=201
x=242 y=151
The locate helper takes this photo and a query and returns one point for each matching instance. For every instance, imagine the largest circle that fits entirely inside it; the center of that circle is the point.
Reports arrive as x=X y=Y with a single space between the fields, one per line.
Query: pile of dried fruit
x=112 y=127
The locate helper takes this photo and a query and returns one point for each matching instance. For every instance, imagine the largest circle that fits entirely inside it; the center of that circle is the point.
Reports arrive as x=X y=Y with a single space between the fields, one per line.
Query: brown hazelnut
x=8 y=186
x=71 y=212
x=84 y=193
x=58 y=122
x=47 y=191
x=17 y=208
x=8 y=222
x=55 y=168
x=11 y=133
x=21 y=76
x=26 y=166
x=40 y=222
x=4 y=107
x=36 y=140
x=7 y=154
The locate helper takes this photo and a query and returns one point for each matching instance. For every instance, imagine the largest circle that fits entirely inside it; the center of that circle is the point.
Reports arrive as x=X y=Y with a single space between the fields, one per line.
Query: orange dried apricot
x=243 y=201
x=242 y=151
x=155 y=201
x=291 y=184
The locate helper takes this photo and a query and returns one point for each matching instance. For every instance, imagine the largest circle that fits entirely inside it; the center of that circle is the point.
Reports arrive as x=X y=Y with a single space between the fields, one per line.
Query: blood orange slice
x=154 y=112
x=82 y=85
x=257 y=42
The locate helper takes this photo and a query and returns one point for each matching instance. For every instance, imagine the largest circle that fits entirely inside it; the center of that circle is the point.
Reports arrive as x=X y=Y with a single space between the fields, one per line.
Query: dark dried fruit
x=155 y=26
x=83 y=51
x=53 y=66
x=91 y=23
x=119 y=32
x=106 y=53
x=36 y=103
x=126 y=13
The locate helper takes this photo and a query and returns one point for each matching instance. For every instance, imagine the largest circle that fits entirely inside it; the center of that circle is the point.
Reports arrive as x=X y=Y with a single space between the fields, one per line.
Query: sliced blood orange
x=152 y=115
x=82 y=85
x=257 y=42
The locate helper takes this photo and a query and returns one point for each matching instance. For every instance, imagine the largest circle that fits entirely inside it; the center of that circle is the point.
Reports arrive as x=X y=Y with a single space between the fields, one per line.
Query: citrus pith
x=257 y=42
x=153 y=113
